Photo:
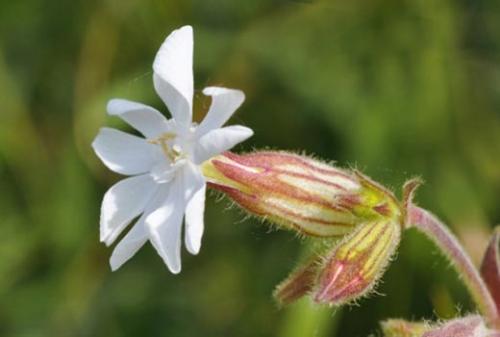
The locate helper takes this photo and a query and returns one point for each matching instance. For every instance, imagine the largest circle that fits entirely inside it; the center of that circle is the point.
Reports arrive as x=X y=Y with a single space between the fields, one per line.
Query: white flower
x=166 y=184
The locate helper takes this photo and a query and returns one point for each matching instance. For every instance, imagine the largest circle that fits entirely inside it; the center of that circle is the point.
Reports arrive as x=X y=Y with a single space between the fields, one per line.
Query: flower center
x=171 y=150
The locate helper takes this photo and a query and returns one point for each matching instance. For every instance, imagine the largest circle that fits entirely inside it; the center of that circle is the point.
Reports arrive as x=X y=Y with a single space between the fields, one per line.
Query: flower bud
x=297 y=284
x=469 y=326
x=403 y=328
x=355 y=265
x=300 y=193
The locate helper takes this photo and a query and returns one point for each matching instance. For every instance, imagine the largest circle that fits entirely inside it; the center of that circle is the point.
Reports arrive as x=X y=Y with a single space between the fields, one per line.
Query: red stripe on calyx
x=268 y=182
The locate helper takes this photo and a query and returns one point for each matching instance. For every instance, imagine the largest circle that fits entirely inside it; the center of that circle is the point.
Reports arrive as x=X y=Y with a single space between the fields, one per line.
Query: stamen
x=172 y=152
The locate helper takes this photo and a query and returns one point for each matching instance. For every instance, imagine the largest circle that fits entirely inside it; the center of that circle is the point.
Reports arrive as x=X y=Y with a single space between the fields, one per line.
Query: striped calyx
x=354 y=266
x=299 y=193
x=318 y=200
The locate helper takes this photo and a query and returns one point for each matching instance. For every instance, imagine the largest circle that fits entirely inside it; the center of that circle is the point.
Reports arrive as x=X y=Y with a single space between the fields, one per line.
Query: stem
x=449 y=245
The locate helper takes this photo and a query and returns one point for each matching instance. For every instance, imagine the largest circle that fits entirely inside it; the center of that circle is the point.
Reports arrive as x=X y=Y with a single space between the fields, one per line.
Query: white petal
x=219 y=140
x=164 y=224
x=192 y=180
x=224 y=104
x=194 y=221
x=164 y=227
x=147 y=120
x=173 y=74
x=163 y=172
x=122 y=203
x=139 y=234
x=124 y=153
x=129 y=245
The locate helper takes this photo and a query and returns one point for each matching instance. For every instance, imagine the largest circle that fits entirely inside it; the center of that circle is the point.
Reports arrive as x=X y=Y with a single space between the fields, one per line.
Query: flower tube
x=299 y=193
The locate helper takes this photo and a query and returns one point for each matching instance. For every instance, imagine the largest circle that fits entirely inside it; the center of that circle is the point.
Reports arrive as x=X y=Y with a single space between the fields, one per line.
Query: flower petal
x=122 y=203
x=192 y=179
x=147 y=120
x=220 y=140
x=194 y=221
x=129 y=245
x=124 y=153
x=173 y=74
x=224 y=104
x=164 y=226
x=138 y=234
x=163 y=172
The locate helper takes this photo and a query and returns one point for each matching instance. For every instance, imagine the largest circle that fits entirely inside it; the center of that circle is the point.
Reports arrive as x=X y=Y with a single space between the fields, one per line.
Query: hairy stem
x=449 y=245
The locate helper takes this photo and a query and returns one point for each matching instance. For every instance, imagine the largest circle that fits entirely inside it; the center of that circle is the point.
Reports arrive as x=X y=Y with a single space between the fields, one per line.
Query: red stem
x=449 y=245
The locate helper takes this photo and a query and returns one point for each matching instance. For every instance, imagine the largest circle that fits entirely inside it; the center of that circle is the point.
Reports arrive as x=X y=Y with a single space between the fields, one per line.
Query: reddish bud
x=299 y=283
x=355 y=265
x=470 y=326
x=300 y=193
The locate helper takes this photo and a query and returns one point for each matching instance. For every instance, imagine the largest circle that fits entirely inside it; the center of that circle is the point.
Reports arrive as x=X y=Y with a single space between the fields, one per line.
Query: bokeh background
x=395 y=88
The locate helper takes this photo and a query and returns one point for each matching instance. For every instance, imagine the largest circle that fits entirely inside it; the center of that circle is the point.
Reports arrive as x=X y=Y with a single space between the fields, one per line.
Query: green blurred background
x=395 y=88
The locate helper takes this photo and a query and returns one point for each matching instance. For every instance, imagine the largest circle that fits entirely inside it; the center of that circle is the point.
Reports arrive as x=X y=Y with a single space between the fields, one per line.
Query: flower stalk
x=430 y=225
